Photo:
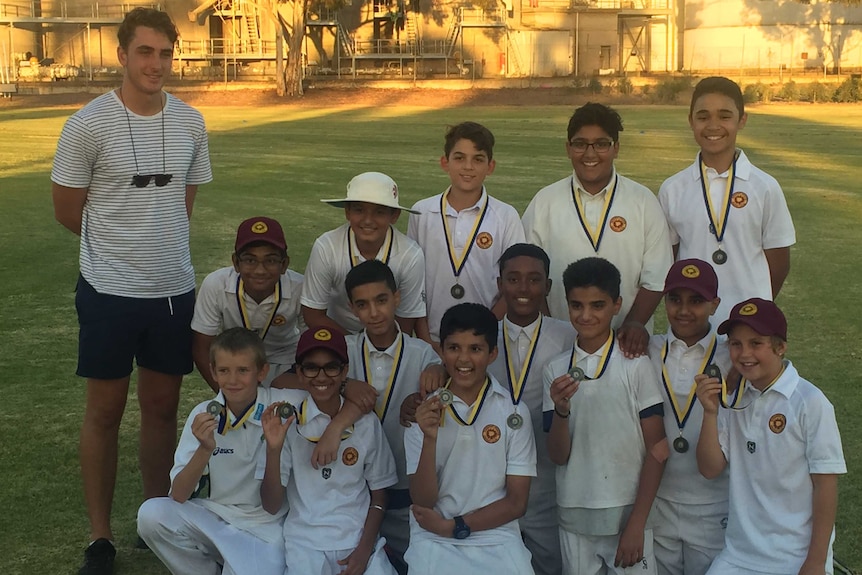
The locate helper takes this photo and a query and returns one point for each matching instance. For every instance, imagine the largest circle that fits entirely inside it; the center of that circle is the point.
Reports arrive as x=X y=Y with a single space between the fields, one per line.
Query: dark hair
x=472 y=317
x=594 y=114
x=593 y=272
x=481 y=137
x=238 y=340
x=528 y=250
x=368 y=272
x=718 y=85
x=149 y=17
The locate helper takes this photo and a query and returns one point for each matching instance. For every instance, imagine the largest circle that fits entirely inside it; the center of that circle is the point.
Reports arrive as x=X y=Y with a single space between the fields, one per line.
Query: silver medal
x=712 y=370
x=577 y=373
x=515 y=421
x=214 y=408
x=457 y=291
x=680 y=444
x=719 y=256
x=446 y=397
x=286 y=410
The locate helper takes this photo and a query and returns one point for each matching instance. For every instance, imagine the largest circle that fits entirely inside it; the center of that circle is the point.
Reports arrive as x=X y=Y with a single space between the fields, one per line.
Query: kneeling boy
x=470 y=461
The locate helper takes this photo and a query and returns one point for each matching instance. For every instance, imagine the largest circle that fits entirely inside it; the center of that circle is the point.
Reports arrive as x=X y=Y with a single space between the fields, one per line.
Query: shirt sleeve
x=412 y=284
x=317 y=284
x=200 y=170
x=547 y=378
x=723 y=426
x=209 y=315
x=528 y=221
x=379 y=469
x=77 y=152
x=822 y=439
x=188 y=444
x=664 y=201
x=778 y=230
x=658 y=254
x=413 y=438
x=521 y=449
x=413 y=226
x=646 y=386
x=286 y=460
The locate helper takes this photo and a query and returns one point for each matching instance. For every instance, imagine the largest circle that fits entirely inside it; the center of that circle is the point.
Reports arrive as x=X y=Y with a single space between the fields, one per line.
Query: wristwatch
x=462 y=530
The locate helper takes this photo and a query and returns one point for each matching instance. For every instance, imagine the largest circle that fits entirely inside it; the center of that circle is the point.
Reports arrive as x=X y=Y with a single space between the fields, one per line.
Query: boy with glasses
x=257 y=292
x=598 y=212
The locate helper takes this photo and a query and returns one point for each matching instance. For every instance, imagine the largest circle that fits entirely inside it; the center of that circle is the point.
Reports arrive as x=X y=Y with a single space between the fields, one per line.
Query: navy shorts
x=114 y=330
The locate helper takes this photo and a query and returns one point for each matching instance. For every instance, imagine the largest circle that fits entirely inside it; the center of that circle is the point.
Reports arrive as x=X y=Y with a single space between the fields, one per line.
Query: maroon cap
x=761 y=315
x=696 y=275
x=260 y=229
x=321 y=338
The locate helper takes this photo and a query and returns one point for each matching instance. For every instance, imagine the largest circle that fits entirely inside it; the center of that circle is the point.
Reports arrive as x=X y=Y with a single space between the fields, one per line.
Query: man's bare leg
x=158 y=396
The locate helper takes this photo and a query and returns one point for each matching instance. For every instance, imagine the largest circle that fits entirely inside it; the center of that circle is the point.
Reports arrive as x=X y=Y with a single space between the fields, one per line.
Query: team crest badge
x=326 y=473
x=259 y=228
x=491 y=433
x=739 y=200
x=748 y=309
x=618 y=223
x=691 y=272
x=350 y=456
x=279 y=320
x=395 y=191
x=484 y=240
x=751 y=446
x=323 y=334
x=777 y=423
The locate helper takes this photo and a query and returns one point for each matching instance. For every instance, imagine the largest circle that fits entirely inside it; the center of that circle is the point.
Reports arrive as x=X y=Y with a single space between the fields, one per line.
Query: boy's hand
x=428 y=416
x=708 y=392
x=813 y=568
x=633 y=338
x=356 y=562
x=326 y=450
x=562 y=390
x=274 y=430
x=408 y=409
x=431 y=379
x=630 y=550
x=433 y=522
x=362 y=394
x=204 y=426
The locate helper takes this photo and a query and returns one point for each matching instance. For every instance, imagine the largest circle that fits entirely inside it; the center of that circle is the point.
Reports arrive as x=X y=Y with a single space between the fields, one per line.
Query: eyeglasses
x=271 y=263
x=142 y=181
x=311 y=370
x=599 y=146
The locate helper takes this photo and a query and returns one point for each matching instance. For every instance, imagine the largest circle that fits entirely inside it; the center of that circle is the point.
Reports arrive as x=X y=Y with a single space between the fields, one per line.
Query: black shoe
x=98 y=558
x=141 y=544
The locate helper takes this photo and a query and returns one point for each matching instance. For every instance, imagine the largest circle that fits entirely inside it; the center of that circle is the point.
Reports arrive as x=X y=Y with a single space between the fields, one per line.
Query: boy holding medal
x=528 y=340
x=722 y=208
x=469 y=465
x=257 y=292
x=392 y=362
x=782 y=450
x=194 y=532
x=371 y=208
x=690 y=512
x=606 y=433
x=335 y=511
x=596 y=211
x=463 y=231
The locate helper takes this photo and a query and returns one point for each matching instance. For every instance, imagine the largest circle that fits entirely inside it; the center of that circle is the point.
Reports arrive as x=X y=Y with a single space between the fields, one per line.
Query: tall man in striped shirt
x=125 y=175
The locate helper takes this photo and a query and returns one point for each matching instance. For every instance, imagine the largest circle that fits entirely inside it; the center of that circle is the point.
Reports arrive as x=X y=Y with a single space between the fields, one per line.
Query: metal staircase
x=252 y=28
x=345 y=40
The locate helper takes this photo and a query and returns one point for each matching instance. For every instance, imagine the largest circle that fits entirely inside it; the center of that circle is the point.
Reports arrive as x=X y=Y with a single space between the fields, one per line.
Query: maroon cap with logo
x=761 y=315
x=694 y=274
x=321 y=338
x=260 y=229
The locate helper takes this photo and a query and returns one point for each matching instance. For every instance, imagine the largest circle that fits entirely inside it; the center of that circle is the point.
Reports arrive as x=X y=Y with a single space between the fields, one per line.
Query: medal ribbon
x=382 y=408
x=224 y=425
x=302 y=413
x=459 y=261
x=386 y=248
x=243 y=312
x=474 y=413
x=517 y=383
x=719 y=222
x=683 y=415
x=603 y=362
x=741 y=387
x=596 y=236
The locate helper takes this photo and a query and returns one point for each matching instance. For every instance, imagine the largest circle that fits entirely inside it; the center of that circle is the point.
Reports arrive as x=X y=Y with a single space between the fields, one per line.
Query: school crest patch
x=484 y=240
x=259 y=228
x=748 y=309
x=326 y=473
x=618 y=223
x=739 y=200
x=323 y=334
x=279 y=320
x=777 y=423
x=491 y=433
x=690 y=272
x=350 y=456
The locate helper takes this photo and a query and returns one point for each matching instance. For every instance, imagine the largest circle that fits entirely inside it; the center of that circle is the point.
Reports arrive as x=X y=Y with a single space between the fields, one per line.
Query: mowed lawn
x=279 y=161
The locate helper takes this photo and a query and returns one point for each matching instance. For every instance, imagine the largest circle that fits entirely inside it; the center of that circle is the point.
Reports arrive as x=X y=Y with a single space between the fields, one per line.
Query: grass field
x=279 y=161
